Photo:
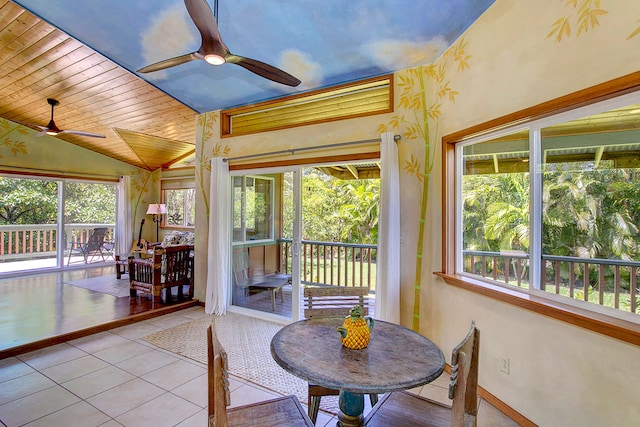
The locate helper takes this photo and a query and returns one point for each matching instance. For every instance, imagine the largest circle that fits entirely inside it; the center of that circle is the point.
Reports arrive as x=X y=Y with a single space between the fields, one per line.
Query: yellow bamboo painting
x=420 y=124
x=7 y=140
x=634 y=33
x=584 y=14
x=206 y=123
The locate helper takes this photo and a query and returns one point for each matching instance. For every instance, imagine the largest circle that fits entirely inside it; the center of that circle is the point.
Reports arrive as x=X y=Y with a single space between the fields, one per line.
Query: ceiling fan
x=53 y=130
x=214 y=51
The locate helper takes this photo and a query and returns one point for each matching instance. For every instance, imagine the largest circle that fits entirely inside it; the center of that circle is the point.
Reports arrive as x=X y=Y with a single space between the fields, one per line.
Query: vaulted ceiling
x=86 y=54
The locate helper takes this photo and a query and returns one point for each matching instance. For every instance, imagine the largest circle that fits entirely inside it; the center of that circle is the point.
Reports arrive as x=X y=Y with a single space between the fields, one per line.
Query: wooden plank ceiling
x=143 y=126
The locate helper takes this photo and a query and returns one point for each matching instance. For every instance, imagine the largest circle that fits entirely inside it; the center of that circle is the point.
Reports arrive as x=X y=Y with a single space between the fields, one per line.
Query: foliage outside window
x=179 y=195
x=555 y=209
x=253 y=209
x=334 y=210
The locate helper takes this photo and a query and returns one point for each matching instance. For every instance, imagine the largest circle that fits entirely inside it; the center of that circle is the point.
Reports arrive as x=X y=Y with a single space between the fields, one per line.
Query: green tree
x=28 y=201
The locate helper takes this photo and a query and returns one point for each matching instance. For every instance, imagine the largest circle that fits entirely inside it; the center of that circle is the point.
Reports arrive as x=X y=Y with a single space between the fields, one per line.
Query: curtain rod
x=292 y=151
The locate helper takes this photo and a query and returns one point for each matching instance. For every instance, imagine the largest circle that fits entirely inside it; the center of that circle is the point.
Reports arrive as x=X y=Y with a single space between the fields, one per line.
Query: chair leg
x=373 y=398
x=314 y=405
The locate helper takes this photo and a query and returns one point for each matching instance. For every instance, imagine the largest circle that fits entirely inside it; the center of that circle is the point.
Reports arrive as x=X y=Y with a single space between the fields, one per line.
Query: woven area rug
x=104 y=284
x=247 y=342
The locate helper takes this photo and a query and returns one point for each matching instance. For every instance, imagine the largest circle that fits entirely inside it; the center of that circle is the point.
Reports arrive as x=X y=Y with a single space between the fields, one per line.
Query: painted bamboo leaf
x=589 y=19
x=560 y=28
x=413 y=167
x=635 y=33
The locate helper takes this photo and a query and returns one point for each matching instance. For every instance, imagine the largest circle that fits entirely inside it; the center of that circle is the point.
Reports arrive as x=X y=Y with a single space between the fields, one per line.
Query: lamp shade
x=157 y=209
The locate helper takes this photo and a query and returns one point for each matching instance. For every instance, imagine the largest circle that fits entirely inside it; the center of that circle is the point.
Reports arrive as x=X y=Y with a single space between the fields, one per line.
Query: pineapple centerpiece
x=356 y=329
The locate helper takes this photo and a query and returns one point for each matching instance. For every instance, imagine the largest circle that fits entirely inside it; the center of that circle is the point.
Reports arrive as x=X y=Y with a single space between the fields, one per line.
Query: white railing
x=39 y=240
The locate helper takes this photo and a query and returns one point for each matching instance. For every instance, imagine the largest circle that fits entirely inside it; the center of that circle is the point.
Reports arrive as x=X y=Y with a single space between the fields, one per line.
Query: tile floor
x=115 y=378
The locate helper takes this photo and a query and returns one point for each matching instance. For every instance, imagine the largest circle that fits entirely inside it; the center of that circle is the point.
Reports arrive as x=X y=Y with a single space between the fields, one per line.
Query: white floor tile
x=98 y=381
x=36 y=405
x=247 y=394
x=174 y=374
x=135 y=331
x=165 y=410
x=195 y=391
x=23 y=386
x=147 y=362
x=96 y=342
x=13 y=367
x=51 y=356
x=74 y=368
x=121 y=352
x=124 y=397
x=79 y=414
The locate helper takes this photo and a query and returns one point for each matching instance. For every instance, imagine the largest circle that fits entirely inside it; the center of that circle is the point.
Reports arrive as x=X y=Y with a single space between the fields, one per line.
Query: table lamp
x=157 y=210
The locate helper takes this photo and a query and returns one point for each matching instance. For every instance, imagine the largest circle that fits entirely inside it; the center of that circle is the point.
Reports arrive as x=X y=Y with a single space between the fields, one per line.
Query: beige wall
x=561 y=375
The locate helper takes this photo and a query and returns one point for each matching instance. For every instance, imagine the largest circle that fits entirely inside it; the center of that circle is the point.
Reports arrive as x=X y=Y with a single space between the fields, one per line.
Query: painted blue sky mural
x=323 y=43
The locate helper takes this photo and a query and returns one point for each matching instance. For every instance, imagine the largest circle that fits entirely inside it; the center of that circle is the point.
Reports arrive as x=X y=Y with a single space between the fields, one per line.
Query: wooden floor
x=41 y=310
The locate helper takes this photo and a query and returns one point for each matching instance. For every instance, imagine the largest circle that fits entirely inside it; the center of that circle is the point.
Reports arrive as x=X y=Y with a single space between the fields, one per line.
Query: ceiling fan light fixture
x=214 y=59
x=51 y=132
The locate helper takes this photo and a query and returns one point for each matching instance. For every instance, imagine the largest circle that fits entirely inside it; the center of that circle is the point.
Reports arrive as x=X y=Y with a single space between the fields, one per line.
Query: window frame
x=176 y=184
x=566 y=311
x=243 y=213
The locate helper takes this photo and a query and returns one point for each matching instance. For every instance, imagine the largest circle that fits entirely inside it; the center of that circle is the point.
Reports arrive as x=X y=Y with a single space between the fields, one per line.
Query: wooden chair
x=332 y=301
x=283 y=411
x=405 y=409
x=94 y=247
x=164 y=269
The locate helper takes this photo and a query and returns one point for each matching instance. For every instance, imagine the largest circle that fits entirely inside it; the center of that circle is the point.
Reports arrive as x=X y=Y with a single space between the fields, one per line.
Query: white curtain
x=124 y=222
x=219 y=239
x=388 y=259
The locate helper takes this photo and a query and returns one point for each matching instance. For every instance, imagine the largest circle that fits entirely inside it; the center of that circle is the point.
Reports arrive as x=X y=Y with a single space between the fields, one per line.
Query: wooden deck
x=40 y=310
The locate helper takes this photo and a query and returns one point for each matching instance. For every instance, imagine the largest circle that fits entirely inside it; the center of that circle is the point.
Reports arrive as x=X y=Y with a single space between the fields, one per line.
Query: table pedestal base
x=351 y=409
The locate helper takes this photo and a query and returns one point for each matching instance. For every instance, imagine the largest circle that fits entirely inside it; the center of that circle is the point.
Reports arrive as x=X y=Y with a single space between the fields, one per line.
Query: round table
x=396 y=358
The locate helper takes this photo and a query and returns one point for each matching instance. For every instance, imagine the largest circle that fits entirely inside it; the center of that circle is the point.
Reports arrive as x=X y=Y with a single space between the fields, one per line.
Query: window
x=179 y=195
x=253 y=209
x=545 y=214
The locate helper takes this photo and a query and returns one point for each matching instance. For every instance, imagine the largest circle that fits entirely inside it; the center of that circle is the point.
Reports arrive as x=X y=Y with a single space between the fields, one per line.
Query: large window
x=179 y=195
x=549 y=210
x=580 y=196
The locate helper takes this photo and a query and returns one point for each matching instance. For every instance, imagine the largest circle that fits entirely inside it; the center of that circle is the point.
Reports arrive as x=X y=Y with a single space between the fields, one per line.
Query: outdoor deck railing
x=607 y=282
x=39 y=240
x=333 y=263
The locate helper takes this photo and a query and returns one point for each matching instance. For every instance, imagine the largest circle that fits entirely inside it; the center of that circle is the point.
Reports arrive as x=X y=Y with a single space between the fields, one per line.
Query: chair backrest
x=218 y=379
x=176 y=262
x=329 y=301
x=96 y=238
x=463 y=386
x=240 y=266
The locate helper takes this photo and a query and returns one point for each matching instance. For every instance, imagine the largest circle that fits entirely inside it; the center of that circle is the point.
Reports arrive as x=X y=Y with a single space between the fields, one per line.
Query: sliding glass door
x=261 y=275
x=46 y=223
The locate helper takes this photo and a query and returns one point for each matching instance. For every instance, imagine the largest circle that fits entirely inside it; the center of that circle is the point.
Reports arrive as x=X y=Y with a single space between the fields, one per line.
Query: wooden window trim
x=614 y=327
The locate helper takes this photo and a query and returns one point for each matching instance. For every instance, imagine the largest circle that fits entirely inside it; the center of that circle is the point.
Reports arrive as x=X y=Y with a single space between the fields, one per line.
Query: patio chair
x=164 y=268
x=332 y=301
x=94 y=247
x=403 y=408
x=273 y=282
x=282 y=411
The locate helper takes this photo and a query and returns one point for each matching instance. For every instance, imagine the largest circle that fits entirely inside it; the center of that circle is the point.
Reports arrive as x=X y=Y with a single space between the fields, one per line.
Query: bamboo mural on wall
x=140 y=181
x=207 y=123
x=15 y=146
x=420 y=124
x=583 y=13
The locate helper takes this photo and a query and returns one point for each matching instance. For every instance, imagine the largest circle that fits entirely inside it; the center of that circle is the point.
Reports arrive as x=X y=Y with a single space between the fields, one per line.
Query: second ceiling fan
x=52 y=130
x=214 y=51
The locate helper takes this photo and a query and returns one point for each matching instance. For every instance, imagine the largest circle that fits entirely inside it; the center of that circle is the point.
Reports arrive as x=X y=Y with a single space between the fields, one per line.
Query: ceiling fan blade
x=168 y=63
x=205 y=22
x=265 y=70
x=81 y=133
